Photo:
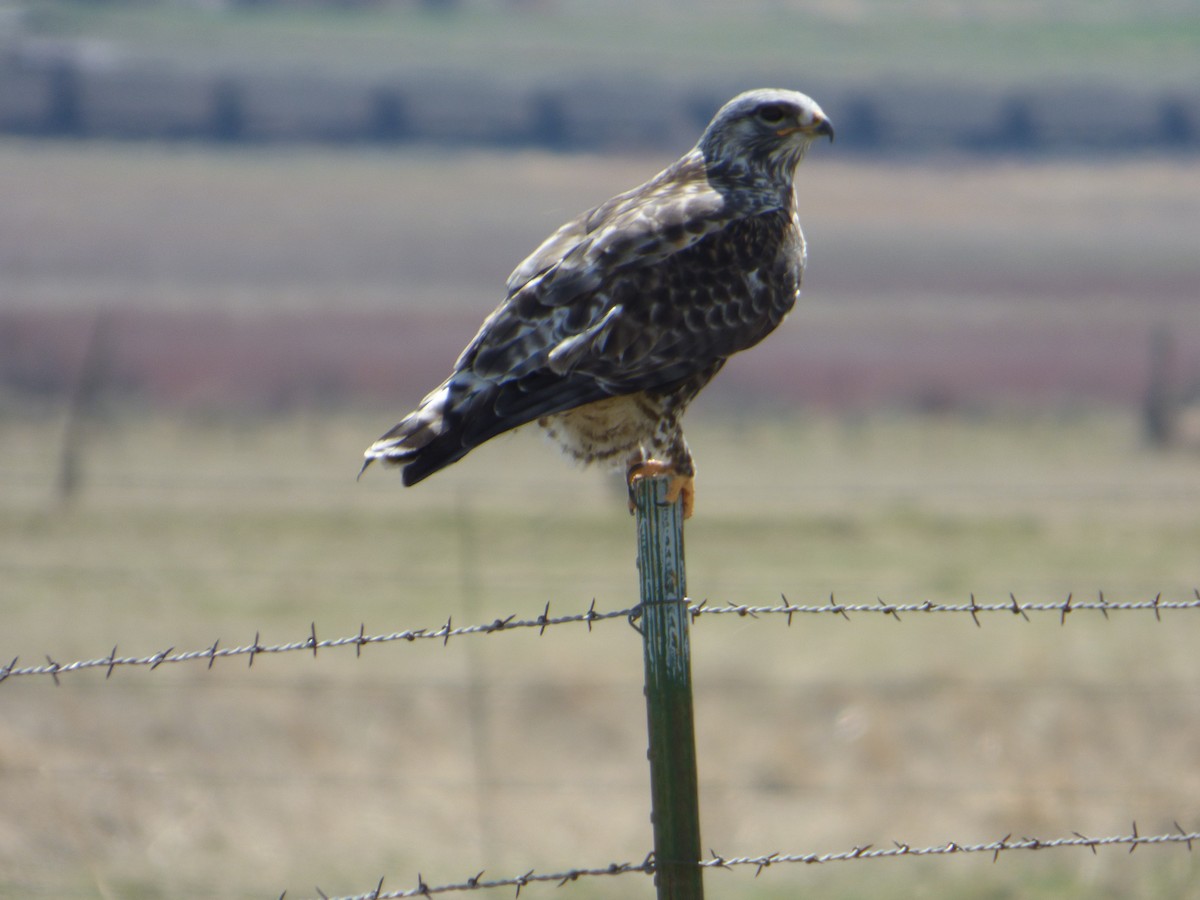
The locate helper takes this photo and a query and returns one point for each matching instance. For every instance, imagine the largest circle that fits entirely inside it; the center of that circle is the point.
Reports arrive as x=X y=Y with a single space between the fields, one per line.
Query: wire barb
x=1017 y=608
x=974 y=611
x=1179 y=828
x=158 y=661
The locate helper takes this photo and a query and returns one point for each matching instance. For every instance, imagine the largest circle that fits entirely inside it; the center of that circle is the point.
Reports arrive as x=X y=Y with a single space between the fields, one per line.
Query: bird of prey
x=614 y=324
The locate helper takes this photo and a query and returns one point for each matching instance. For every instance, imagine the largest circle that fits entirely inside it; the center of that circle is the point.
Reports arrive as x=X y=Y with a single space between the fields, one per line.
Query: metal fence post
x=675 y=806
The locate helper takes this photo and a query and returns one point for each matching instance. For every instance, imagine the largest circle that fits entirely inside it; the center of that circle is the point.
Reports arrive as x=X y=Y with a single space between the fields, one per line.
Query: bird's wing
x=634 y=320
x=678 y=194
x=568 y=293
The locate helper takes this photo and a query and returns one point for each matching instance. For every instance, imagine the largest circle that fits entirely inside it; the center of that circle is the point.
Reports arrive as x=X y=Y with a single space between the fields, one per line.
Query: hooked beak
x=821 y=127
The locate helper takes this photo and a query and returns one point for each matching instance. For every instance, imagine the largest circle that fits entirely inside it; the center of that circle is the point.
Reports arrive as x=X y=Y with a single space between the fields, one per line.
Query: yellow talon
x=681 y=486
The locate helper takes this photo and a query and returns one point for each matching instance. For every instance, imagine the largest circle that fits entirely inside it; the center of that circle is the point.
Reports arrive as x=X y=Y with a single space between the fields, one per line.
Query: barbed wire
x=761 y=863
x=973 y=607
x=543 y=621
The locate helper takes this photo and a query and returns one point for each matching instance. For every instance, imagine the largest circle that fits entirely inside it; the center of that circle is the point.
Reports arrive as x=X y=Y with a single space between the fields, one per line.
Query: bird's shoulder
x=668 y=213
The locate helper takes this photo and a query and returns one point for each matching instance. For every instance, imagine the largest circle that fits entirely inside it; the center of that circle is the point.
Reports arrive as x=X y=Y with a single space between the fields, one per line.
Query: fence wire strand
x=760 y=863
x=511 y=623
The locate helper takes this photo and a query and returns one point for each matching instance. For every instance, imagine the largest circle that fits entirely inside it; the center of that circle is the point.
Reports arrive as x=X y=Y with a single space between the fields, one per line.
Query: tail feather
x=413 y=433
x=465 y=410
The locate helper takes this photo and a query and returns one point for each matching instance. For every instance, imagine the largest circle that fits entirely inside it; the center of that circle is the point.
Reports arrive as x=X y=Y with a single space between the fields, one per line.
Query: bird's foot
x=680 y=486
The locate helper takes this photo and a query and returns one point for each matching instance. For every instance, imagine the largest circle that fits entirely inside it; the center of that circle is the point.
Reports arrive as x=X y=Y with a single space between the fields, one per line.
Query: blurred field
x=200 y=517
x=273 y=230
x=273 y=276
x=819 y=737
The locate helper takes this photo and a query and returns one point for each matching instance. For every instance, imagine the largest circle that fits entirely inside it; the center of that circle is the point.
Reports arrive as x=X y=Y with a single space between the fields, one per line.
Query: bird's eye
x=771 y=113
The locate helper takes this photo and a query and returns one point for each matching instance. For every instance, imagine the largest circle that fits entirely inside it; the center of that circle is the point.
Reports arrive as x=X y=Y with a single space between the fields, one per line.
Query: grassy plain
x=514 y=751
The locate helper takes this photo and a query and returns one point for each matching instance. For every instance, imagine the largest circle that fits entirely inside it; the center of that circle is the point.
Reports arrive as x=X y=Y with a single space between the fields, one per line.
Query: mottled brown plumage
x=620 y=317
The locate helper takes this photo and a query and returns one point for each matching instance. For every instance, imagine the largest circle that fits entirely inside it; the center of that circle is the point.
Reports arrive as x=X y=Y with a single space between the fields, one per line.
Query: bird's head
x=767 y=129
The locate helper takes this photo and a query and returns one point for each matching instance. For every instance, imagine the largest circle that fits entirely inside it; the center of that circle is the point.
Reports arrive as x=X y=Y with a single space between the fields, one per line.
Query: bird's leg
x=681 y=485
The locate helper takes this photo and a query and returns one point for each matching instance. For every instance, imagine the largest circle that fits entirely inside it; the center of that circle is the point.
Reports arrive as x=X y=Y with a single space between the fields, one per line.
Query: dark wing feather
x=645 y=326
x=478 y=410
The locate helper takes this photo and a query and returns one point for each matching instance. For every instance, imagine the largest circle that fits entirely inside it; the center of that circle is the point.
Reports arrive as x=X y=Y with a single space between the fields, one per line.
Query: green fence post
x=675 y=805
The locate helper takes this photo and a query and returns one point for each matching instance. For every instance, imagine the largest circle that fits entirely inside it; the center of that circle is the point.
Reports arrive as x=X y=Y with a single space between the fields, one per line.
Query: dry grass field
x=514 y=751
x=202 y=522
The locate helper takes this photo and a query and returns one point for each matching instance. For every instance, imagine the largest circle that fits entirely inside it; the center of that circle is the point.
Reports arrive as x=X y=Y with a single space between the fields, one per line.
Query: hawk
x=614 y=324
